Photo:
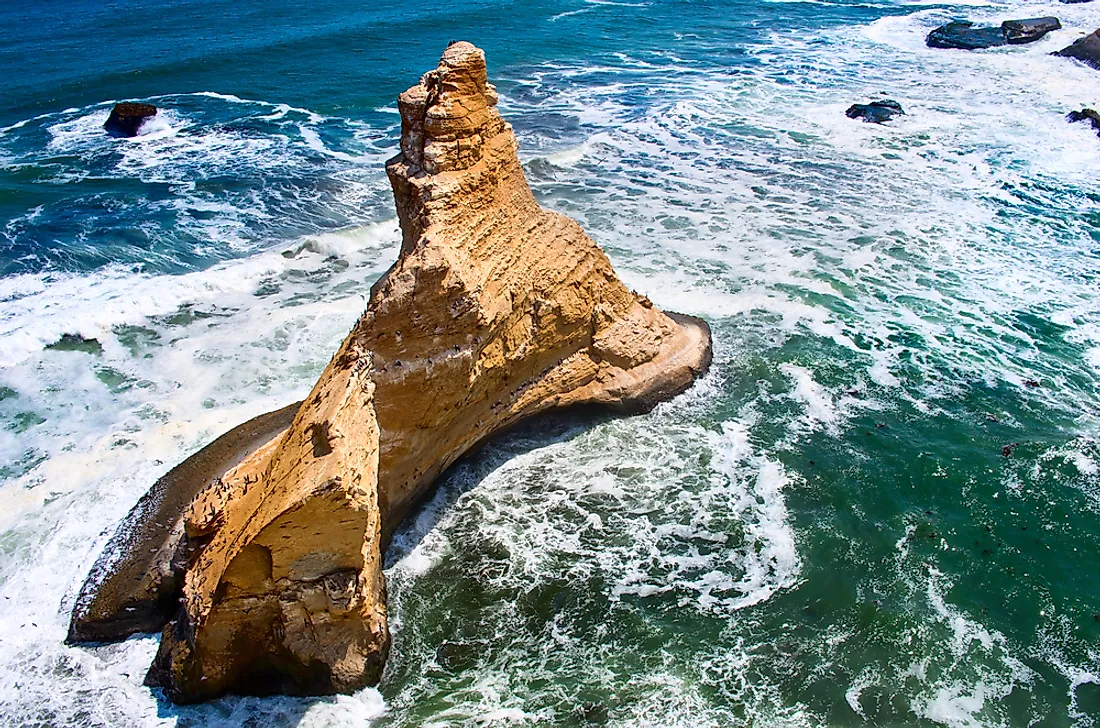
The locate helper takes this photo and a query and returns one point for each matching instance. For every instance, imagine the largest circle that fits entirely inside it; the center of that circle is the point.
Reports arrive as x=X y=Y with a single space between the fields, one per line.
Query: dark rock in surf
x=1029 y=30
x=875 y=112
x=76 y=342
x=1086 y=50
x=1085 y=115
x=963 y=35
x=126 y=118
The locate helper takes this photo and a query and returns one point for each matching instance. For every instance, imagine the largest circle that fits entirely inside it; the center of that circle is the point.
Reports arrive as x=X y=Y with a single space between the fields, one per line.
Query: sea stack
x=126 y=118
x=264 y=565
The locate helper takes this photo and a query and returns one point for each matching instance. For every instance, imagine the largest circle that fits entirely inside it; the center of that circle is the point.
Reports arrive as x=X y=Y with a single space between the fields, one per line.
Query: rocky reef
x=260 y=556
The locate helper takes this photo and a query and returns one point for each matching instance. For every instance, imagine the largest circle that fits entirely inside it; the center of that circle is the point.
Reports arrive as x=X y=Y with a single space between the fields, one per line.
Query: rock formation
x=1030 y=30
x=126 y=118
x=1086 y=49
x=962 y=33
x=1089 y=115
x=271 y=538
x=875 y=112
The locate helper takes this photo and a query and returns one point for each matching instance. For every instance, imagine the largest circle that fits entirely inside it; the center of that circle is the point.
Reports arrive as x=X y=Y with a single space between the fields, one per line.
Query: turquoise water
x=826 y=530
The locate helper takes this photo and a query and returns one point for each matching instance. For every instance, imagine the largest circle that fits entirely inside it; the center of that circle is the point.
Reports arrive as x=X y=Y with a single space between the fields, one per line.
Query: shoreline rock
x=126 y=118
x=270 y=540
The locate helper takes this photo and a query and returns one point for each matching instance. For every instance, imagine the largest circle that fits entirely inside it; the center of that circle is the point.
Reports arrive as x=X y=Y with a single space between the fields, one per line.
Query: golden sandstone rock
x=262 y=552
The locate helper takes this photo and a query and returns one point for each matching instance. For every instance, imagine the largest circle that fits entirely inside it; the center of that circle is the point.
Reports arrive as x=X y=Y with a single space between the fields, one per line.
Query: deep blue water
x=825 y=531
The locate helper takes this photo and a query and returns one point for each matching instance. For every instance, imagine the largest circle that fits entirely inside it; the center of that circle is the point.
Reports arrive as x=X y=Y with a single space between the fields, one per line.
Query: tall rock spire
x=495 y=310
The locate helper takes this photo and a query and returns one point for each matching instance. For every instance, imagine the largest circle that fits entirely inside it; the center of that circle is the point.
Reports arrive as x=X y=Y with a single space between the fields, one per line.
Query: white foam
x=820 y=407
x=39 y=309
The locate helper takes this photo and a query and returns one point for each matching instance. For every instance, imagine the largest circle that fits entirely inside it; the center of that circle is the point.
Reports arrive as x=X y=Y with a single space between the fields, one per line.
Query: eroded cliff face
x=284 y=592
x=496 y=308
x=494 y=311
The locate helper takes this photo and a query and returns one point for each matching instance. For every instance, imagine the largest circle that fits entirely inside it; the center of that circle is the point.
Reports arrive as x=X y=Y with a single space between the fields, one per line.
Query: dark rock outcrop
x=1089 y=115
x=126 y=118
x=1086 y=50
x=875 y=112
x=963 y=35
x=1029 y=30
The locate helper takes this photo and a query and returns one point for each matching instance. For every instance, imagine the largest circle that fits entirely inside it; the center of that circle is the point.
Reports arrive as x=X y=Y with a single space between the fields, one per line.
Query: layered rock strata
x=495 y=310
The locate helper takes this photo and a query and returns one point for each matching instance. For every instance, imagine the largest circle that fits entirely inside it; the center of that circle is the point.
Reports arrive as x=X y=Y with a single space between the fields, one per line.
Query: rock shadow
x=470 y=470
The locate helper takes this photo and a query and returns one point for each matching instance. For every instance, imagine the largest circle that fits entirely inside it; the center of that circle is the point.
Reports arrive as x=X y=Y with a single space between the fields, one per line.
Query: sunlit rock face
x=270 y=542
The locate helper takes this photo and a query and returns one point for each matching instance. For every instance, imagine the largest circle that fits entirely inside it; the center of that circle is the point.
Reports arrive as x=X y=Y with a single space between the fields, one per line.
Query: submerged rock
x=875 y=112
x=963 y=35
x=261 y=554
x=1086 y=49
x=1088 y=115
x=76 y=342
x=126 y=118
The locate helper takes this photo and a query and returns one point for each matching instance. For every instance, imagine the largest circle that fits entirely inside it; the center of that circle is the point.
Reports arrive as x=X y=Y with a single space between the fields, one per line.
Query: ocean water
x=825 y=530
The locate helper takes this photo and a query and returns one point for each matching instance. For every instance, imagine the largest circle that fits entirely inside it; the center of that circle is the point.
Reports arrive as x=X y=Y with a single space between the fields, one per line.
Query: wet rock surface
x=1029 y=30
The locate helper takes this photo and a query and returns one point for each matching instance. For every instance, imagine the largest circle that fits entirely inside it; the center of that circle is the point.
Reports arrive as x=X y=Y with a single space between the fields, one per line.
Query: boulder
x=1086 y=49
x=126 y=118
x=1029 y=30
x=875 y=112
x=1088 y=115
x=963 y=35
x=261 y=555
